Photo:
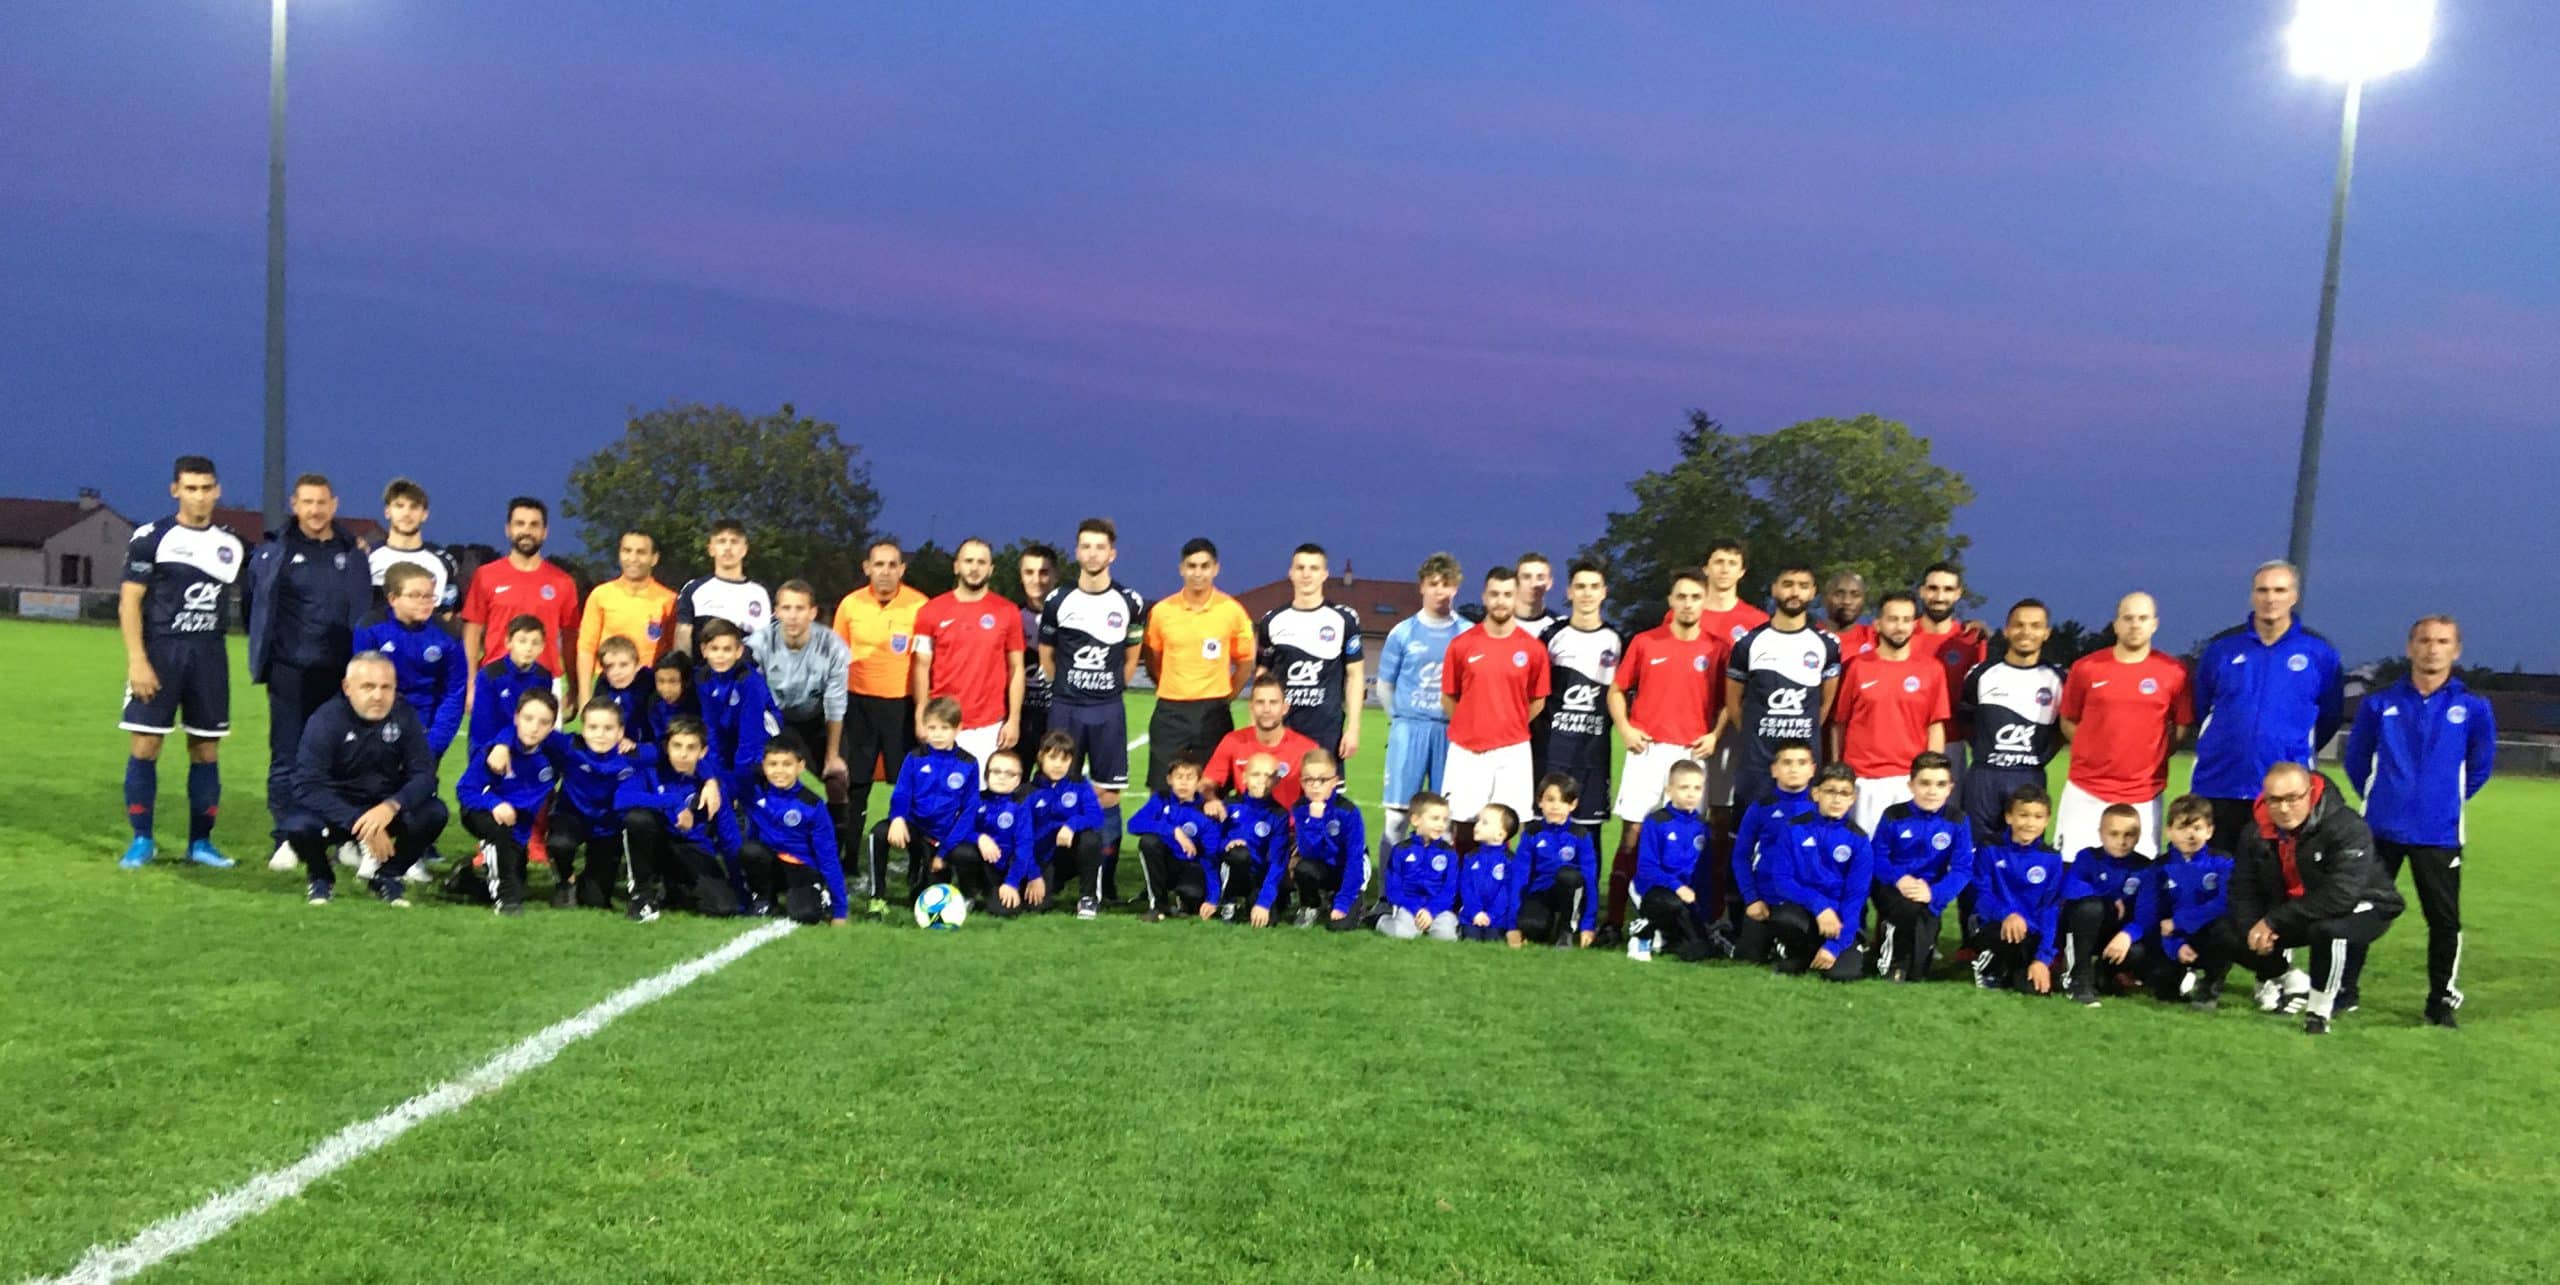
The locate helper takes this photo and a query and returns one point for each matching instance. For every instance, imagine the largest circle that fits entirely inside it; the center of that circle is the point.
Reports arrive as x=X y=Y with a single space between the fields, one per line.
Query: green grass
x=1113 y=1102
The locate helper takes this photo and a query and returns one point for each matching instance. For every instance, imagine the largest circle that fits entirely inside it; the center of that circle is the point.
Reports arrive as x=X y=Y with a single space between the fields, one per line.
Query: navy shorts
x=195 y=689
x=1586 y=760
x=1101 y=734
x=1323 y=726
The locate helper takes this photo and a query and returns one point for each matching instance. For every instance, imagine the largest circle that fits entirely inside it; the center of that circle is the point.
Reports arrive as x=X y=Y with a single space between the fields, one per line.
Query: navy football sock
x=141 y=790
x=204 y=799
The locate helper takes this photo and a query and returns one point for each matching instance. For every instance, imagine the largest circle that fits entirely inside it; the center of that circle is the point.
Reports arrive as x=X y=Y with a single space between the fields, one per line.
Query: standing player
x=726 y=593
x=1667 y=699
x=1958 y=645
x=1844 y=595
x=633 y=605
x=1313 y=647
x=969 y=647
x=1893 y=708
x=177 y=673
x=1268 y=734
x=2009 y=707
x=1535 y=576
x=520 y=584
x=404 y=521
x=2122 y=710
x=1409 y=665
x=878 y=625
x=1492 y=683
x=1780 y=681
x=1037 y=569
x=1726 y=616
x=1571 y=732
x=309 y=589
x=2419 y=750
x=2267 y=690
x=1199 y=646
x=805 y=668
x=1086 y=632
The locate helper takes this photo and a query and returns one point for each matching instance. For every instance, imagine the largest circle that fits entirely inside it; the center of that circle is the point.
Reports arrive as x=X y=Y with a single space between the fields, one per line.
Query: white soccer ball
x=941 y=908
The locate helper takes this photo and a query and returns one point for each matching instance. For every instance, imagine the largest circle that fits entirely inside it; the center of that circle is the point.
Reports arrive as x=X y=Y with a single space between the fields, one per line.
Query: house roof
x=27 y=523
x=1380 y=603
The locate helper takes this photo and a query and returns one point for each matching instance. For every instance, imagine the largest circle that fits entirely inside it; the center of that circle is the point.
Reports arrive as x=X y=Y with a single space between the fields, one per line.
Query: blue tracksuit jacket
x=2258 y=705
x=2418 y=759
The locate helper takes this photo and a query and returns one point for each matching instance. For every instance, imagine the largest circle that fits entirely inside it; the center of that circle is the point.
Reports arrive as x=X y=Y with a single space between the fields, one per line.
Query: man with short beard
x=522 y=583
x=1893 y=708
x=969 y=647
x=1492 y=683
x=1782 y=678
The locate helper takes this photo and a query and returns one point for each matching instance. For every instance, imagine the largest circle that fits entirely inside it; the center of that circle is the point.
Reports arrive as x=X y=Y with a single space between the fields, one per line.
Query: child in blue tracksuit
x=1791 y=771
x=1421 y=890
x=2198 y=941
x=787 y=843
x=503 y=681
x=671 y=696
x=499 y=803
x=1068 y=827
x=1673 y=842
x=1923 y=862
x=1253 y=845
x=1489 y=882
x=2109 y=906
x=929 y=806
x=432 y=671
x=993 y=860
x=2018 y=899
x=1815 y=883
x=617 y=678
x=682 y=834
x=1332 y=840
x=584 y=815
x=737 y=705
x=1560 y=883
x=1177 y=842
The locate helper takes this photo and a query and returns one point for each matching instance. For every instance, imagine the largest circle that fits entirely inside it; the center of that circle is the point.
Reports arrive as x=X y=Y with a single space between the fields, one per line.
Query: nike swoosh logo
x=1869 y=683
x=2100 y=683
x=1473 y=659
x=1657 y=660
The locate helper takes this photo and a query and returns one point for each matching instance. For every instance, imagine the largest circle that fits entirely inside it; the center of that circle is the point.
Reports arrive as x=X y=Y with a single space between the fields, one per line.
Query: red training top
x=969 y=642
x=1492 y=680
x=2120 y=754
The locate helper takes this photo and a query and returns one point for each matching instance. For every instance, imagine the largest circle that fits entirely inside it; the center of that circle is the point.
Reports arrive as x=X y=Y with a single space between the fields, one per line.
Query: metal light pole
x=2350 y=41
x=275 y=488
x=2306 y=478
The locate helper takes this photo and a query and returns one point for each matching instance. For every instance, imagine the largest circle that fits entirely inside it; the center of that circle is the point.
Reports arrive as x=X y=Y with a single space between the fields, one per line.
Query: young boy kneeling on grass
x=1332 y=840
x=1561 y=870
x=1422 y=876
x=929 y=807
x=1489 y=883
x=1815 y=882
x=1068 y=828
x=1255 y=844
x=2109 y=906
x=992 y=861
x=2018 y=899
x=1923 y=862
x=679 y=830
x=504 y=788
x=2198 y=941
x=1175 y=836
x=1674 y=841
x=788 y=847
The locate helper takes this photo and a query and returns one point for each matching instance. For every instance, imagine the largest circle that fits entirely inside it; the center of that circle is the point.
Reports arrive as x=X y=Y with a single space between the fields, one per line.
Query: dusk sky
x=1394 y=278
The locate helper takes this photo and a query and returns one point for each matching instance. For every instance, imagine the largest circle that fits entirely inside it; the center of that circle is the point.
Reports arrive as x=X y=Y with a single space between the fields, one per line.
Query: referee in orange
x=878 y=624
x=1199 y=646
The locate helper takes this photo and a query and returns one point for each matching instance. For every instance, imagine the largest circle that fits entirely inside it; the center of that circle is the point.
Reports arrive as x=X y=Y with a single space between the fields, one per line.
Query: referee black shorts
x=1176 y=726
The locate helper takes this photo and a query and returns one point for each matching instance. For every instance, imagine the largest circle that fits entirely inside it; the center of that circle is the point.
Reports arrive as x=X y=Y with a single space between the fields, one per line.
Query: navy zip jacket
x=493 y=701
x=1007 y=820
x=936 y=791
x=1547 y=849
x=794 y=824
x=345 y=765
x=659 y=713
x=335 y=577
x=2418 y=759
x=2194 y=891
x=2026 y=882
x=1827 y=864
x=1422 y=875
x=2258 y=705
x=1759 y=822
x=1489 y=885
x=526 y=785
x=1261 y=828
x=1669 y=850
x=659 y=788
x=431 y=671
x=738 y=709
x=1340 y=839
x=1934 y=847
x=2130 y=881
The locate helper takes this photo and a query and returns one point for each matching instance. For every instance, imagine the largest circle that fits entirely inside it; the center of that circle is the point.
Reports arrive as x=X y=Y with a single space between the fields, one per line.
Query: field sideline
x=1111 y=1101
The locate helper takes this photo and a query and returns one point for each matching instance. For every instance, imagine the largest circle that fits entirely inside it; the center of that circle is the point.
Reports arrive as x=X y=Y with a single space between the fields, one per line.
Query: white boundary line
x=178 y=1234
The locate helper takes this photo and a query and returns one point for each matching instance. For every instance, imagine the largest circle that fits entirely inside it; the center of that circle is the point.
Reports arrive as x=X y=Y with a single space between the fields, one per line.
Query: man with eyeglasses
x=2305 y=875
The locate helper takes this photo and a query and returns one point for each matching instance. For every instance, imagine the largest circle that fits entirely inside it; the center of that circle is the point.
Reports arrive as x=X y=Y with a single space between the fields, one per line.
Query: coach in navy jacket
x=309 y=589
x=2419 y=750
x=362 y=751
x=2267 y=690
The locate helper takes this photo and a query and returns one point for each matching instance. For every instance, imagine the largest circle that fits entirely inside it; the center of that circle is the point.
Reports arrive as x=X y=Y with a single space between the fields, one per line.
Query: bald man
x=2123 y=710
x=362 y=772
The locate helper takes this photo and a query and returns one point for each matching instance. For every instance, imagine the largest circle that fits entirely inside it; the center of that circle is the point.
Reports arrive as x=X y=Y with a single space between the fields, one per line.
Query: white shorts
x=2075 y=823
x=1646 y=777
x=980 y=742
x=1495 y=776
x=1875 y=794
x=1719 y=772
x=1400 y=925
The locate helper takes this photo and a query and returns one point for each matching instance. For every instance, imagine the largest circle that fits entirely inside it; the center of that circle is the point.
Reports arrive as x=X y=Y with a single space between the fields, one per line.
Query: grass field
x=1117 y=1102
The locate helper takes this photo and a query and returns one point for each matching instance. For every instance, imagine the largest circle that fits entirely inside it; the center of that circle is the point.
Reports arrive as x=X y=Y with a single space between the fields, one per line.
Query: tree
x=803 y=492
x=2073 y=639
x=1857 y=495
x=929 y=569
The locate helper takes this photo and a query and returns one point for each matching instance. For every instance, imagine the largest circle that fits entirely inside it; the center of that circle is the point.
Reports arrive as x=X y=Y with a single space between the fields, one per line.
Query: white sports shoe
x=284 y=859
x=366 y=866
x=350 y=852
x=2270 y=996
x=2297 y=991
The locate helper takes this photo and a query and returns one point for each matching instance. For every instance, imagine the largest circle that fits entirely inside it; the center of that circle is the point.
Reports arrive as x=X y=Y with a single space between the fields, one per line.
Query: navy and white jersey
x=1580 y=663
x=2014 y=711
x=1782 y=675
x=1090 y=634
x=1035 y=680
x=438 y=562
x=1308 y=649
x=743 y=603
x=183 y=571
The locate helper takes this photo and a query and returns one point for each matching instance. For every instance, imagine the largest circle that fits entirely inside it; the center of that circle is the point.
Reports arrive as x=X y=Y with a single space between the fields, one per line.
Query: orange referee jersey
x=881 y=637
x=646 y=615
x=1194 y=646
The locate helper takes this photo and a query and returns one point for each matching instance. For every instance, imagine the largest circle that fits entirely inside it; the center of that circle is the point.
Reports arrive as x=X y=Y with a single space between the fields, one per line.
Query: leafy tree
x=803 y=492
x=1857 y=495
x=929 y=568
x=2073 y=639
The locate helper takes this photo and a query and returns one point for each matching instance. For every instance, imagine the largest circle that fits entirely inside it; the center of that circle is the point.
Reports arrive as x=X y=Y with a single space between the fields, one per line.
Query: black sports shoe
x=2314 y=1024
x=2085 y=997
x=2440 y=1013
x=387 y=889
x=317 y=891
x=563 y=897
x=643 y=910
x=511 y=909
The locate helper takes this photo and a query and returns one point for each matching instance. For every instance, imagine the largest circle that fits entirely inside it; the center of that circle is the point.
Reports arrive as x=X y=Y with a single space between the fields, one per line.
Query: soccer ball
x=941 y=908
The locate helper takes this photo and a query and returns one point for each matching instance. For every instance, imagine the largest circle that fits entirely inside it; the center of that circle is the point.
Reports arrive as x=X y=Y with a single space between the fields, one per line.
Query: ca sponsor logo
x=1581 y=698
x=2015 y=738
x=1088 y=656
x=1788 y=700
x=1305 y=673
